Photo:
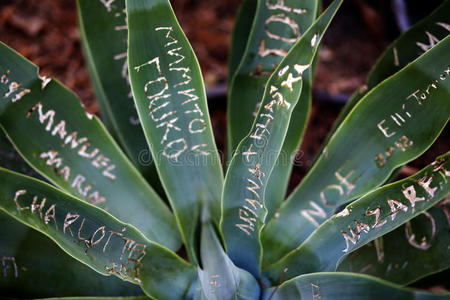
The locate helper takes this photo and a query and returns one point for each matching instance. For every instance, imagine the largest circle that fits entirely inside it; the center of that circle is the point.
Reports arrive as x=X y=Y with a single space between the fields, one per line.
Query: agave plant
x=101 y=222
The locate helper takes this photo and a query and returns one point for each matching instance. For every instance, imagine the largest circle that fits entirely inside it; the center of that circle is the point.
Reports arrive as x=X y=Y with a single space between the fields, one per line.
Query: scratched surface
x=170 y=98
x=30 y=261
x=342 y=173
x=94 y=237
x=103 y=30
x=412 y=251
x=74 y=151
x=243 y=200
x=366 y=219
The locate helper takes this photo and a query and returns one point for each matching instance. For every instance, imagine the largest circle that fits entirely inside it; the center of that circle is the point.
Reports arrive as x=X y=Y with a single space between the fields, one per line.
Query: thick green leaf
x=276 y=27
x=94 y=237
x=218 y=276
x=384 y=131
x=279 y=178
x=239 y=37
x=72 y=149
x=243 y=197
x=33 y=266
x=410 y=252
x=171 y=102
x=24 y=254
x=410 y=45
x=340 y=286
x=103 y=30
x=365 y=219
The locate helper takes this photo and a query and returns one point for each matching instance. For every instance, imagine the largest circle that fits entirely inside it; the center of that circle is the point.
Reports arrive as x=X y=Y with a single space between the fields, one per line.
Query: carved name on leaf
x=126 y=265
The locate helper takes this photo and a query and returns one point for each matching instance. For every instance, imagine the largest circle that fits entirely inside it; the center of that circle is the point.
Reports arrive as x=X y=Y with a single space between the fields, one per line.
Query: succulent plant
x=138 y=203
